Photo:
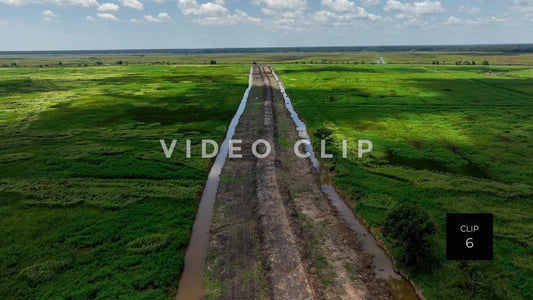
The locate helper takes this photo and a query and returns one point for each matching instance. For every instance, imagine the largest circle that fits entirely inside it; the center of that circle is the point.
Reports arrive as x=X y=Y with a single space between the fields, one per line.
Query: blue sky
x=145 y=24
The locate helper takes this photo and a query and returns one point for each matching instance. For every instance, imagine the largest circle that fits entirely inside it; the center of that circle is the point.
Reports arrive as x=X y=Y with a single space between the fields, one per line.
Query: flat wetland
x=448 y=139
x=91 y=208
x=89 y=204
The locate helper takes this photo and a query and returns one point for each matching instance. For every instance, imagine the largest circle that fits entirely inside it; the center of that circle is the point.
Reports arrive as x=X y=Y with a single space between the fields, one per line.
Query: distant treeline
x=506 y=48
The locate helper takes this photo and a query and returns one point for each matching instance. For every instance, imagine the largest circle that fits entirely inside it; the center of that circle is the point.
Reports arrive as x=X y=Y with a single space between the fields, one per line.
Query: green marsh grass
x=89 y=205
x=91 y=208
x=449 y=139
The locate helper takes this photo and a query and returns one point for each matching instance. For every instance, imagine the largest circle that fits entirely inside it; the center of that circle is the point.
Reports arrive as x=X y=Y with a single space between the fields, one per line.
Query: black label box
x=469 y=237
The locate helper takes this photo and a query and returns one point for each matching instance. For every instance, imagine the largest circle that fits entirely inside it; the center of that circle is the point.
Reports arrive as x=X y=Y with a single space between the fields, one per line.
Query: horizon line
x=138 y=50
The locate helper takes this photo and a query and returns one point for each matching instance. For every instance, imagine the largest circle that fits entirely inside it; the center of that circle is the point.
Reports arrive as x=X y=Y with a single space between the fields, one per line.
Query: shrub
x=410 y=227
x=43 y=271
x=147 y=243
x=323 y=133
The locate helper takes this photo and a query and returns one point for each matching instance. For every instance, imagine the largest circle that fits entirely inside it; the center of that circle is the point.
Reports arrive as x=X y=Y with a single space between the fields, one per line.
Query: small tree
x=323 y=133
x=411 y=227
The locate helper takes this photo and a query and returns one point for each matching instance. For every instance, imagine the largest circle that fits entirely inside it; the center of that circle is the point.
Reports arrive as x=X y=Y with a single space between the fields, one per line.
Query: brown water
x=192 y=279
x=399 y=287
x=191 y=282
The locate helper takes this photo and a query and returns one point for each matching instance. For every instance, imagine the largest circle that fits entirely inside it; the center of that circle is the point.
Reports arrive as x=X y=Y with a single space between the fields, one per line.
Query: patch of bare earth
x=274 y=233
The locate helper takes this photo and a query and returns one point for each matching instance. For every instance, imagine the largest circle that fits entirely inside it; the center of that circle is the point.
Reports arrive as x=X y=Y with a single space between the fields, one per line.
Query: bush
x=323 y=133
x=410 y=227
x=43 y=271
x=148 y=243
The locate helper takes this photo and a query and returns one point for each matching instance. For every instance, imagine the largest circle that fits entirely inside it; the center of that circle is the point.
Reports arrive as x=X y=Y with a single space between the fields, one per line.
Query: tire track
x=275 y=234
x=287 y=275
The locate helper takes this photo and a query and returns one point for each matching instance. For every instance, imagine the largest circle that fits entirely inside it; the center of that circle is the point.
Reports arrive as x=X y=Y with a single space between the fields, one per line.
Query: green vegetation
x=323 y=133
x=447 y=139
x=89 y=205
x=447 y=55
x=91 y=208
x=410 y=227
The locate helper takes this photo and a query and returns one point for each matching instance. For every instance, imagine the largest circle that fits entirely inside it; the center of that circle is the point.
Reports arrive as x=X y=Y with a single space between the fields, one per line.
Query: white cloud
x=369 y=2
x=49 y=13
x=108 y=7
x=453 y=21
x=82 y=3
x=408 y=10
x=486 y=20
x=239 y=17
x=214 y=13
x=49 y=16
x=282 y=4
x=467 y=9
x=326 y=18
x=19 y=2
x=339 y=5
x=89 y=19
x=135 y=4
x=282 y=9
x=348 y=9
x=414 y=23
x=106 y=16
x=296 y=16
x=161 y=18
x=286 y=15
x=192 y=7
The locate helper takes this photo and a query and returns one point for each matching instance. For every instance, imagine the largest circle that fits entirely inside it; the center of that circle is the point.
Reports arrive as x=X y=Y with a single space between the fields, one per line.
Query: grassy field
x=89 y=205
x=448 y=139
x=363 y=57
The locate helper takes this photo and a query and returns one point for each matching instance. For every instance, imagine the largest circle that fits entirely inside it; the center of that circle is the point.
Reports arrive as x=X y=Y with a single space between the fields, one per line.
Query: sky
x=165 y=24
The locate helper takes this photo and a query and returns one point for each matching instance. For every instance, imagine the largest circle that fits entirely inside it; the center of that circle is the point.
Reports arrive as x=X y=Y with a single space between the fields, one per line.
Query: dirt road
x=274 y=234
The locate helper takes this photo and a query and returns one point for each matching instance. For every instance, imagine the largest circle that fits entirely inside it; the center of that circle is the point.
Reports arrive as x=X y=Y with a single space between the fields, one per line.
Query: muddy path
x=274 y=233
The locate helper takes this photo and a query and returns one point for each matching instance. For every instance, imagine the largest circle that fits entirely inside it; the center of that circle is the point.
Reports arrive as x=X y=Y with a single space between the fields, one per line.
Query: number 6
x=469 y=243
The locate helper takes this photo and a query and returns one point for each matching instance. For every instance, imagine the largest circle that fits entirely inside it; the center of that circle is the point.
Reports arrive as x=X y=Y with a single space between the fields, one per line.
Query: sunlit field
x=91 y=208
x=89 y=205
x=272 y=56
x=448 y=139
